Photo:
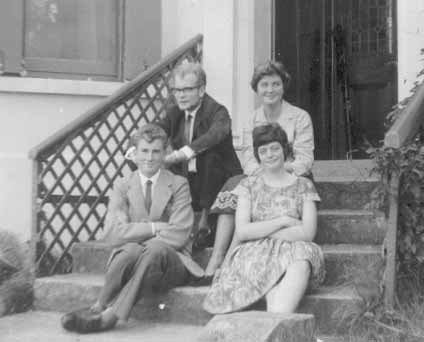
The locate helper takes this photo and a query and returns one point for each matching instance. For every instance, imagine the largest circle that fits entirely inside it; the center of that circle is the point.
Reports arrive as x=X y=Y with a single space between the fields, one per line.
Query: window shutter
x=142 y=36
x=11 y=35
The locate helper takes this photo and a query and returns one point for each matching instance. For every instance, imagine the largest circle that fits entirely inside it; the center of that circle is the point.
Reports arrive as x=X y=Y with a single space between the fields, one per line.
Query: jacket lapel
x=136 y=197
x=161 y=195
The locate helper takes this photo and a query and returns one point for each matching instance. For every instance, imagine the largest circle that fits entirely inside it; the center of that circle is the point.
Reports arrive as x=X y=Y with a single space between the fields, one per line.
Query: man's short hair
x=149 y=132
x=186 y=68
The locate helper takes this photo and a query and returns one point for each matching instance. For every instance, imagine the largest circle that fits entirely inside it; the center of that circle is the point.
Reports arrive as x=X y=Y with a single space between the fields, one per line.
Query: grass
x=405 y=323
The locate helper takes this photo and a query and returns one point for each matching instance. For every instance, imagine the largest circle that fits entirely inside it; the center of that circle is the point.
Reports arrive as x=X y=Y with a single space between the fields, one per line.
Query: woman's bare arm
x=306 y=230
x=247 y=230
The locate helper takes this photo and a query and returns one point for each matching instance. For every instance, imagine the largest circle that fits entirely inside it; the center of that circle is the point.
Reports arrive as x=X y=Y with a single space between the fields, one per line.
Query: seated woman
x=276 y=221
x=269 y=81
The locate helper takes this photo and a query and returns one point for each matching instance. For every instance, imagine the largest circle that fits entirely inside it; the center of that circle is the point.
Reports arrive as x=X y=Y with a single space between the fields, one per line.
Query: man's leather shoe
x=68 y=321
x=82 y=320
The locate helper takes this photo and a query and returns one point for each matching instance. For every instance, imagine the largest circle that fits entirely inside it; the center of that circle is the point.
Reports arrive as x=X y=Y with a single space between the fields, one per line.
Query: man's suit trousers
x=207 y=181
x=140 y=270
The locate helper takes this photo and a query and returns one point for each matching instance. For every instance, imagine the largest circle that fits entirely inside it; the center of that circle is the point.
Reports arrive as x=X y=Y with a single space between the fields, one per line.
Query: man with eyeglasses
x=200 y=134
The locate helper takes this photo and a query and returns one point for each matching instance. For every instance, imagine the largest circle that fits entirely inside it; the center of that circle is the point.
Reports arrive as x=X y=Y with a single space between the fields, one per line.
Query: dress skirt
x=255 y=267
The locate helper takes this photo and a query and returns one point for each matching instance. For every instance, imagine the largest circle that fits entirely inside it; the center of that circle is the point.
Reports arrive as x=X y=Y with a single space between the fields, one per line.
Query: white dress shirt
x=154 y=180
x=144 y=179
x=189 y=153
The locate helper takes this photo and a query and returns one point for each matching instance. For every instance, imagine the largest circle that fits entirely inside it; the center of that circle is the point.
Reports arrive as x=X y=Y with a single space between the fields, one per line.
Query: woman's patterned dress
x=254 y=267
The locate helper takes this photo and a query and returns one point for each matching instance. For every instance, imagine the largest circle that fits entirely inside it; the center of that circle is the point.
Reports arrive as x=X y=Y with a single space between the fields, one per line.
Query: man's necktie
x=187 y=126
x=148 y=195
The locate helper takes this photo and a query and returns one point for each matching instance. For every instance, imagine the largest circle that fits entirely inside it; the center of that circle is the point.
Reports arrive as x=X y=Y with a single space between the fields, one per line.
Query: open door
x=342 y=58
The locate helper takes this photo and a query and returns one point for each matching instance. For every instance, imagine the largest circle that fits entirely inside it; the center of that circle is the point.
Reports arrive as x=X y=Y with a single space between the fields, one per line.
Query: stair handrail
x=401 y=132
x=96 y=111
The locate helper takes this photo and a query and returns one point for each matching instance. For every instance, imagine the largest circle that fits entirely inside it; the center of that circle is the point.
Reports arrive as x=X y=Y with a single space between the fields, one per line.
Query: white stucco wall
x=228 y=48
x=410 y=43
x=29 y=113
x=183 y=19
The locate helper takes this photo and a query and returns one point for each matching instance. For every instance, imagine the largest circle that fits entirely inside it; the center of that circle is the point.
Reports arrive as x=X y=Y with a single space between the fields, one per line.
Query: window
x=97 y=39
x=71 y=36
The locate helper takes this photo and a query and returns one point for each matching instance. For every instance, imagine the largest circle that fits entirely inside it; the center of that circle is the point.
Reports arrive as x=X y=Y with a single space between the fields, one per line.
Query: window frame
x=76 y=69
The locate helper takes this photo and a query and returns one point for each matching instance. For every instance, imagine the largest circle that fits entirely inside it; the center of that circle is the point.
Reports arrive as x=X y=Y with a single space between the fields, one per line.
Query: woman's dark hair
x=265 y=134
x=270 y=68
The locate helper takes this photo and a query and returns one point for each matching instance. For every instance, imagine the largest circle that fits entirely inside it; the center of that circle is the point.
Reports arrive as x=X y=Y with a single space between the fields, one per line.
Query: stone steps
x=37 y=326
x=345 y=194
x=183 y=305
x=342 y=261
x=344 y=184
x=344 y=226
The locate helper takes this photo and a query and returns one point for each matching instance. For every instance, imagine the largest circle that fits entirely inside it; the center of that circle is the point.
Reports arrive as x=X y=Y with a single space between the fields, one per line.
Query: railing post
x=390 y=242
x=36 y=167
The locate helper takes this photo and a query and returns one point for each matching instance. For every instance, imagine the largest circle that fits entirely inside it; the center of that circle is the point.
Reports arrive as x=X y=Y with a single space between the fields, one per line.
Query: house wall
x=30 y=111
x=227 y=27
x=410 y=43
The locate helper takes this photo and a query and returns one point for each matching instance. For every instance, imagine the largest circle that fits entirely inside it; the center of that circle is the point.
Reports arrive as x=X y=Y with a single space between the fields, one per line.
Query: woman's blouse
x=268 y=202
x=297 y=123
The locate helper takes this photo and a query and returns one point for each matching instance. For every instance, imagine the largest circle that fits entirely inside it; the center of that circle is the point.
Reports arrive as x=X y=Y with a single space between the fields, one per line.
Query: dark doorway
x=342 y=58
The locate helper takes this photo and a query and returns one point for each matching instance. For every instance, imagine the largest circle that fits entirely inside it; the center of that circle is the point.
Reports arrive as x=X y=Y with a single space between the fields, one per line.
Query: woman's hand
x=288 y=221
x=303 y=230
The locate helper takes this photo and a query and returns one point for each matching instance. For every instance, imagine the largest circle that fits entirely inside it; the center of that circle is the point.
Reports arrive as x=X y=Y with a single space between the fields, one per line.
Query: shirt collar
x=153 y=179
x=193 y=112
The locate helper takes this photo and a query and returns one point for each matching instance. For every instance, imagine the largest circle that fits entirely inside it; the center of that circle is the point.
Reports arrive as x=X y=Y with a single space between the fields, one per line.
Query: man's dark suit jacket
x=211 y=136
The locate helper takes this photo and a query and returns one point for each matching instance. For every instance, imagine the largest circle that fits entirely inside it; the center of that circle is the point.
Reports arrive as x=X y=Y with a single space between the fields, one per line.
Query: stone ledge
x=257 y=326
x=57 y=86
x=184 y=304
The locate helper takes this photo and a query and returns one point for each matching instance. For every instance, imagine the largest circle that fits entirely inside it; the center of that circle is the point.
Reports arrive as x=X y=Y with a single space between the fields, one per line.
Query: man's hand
x=175 y=157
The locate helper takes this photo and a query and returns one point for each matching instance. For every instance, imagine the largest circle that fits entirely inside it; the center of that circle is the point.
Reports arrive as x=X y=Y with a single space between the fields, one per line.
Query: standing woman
x=276 y=222
x=270 y=80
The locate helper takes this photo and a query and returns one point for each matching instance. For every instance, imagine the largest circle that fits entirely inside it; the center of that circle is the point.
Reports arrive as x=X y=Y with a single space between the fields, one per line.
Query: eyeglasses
x=186 y=90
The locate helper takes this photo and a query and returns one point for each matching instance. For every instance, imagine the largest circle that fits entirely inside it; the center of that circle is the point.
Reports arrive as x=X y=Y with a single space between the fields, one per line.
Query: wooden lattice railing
x=74 y=169
x=402 y=131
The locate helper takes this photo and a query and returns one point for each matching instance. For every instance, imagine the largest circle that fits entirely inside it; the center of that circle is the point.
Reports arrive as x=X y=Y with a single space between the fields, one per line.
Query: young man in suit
x=200 y=132
x=149 y=219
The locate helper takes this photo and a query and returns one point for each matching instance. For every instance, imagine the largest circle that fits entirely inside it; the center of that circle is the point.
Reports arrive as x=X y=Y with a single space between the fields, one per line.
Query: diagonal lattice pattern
x=75 y=171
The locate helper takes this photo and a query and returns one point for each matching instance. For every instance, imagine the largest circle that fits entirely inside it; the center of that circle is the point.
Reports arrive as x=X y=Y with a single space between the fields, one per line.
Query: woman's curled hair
x=270 y=68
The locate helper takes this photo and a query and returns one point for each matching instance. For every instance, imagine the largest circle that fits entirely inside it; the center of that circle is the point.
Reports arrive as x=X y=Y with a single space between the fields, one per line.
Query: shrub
x=16 y=276
x=409 y=162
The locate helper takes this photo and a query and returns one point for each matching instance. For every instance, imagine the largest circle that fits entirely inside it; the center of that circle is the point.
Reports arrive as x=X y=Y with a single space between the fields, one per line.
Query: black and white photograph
x=212 y=170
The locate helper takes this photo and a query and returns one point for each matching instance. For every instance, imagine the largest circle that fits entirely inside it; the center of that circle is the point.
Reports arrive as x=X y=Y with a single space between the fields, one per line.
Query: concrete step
x=38 y=326
x=345 y=194
x=350 y=227
x=342 y=261
x=183 y=305
x=42 y=326
x=358 y=169
x=346 y=263
x=344 y=184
